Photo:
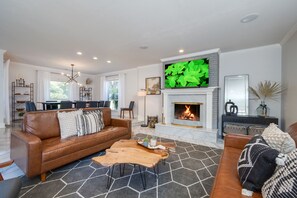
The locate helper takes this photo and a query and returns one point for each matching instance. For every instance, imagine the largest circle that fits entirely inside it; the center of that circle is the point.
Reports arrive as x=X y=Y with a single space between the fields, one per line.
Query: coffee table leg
x=156 y=170
x=109 y=176
x=143 y=179
x=122 y=172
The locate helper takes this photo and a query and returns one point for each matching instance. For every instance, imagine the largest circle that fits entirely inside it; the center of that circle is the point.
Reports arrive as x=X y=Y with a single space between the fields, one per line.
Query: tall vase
x=263 y=110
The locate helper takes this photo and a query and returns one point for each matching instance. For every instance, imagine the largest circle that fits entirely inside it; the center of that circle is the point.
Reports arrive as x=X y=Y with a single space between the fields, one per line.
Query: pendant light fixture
x=72 y=77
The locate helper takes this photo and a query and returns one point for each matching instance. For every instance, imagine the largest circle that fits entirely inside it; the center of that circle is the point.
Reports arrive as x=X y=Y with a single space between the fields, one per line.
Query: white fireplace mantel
x=207 y=92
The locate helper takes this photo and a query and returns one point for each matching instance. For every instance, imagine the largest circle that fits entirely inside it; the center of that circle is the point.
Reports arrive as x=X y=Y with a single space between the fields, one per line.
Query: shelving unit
x=85 y=93
x=19 y=95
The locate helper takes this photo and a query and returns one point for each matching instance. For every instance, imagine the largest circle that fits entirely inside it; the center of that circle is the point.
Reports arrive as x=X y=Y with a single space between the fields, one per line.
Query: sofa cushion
x=283 y=183
x=89 y=123
x=256 y=164
x=56 y=147
x=278 y=139
x=106 y=114
x=67 y=122
x=43 y=124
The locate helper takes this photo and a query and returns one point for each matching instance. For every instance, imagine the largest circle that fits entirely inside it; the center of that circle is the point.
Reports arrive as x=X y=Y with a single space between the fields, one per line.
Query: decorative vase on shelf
x=263 y=110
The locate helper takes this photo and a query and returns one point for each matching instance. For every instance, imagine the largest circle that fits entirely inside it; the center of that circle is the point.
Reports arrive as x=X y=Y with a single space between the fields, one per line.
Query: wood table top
x=129 y=151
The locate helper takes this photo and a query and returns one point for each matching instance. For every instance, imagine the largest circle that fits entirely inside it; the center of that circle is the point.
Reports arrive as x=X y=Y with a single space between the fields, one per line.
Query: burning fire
x=187 y=114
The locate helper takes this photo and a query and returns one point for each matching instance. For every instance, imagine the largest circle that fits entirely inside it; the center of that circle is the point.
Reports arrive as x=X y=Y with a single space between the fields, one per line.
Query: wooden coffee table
x=130 y=152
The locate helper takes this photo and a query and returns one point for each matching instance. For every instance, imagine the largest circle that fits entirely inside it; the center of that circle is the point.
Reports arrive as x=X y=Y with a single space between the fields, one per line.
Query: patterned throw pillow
x=88 y=124
x=278 y=139
x=67 y=123
x=283 y=183
x=100 y=115
x=256 y=164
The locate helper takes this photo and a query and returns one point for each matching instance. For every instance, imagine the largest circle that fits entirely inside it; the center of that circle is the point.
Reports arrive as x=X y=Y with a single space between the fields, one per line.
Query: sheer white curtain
x=103 y=90
x=73 y=91
x=43 y=86
x=122 y=81
x=6 y=92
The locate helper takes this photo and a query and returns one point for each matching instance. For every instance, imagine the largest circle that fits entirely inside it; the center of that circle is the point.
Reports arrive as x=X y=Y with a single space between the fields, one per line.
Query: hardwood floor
x=11 y=171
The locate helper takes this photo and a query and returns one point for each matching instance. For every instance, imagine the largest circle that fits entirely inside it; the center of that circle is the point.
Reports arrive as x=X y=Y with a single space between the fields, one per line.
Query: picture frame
x=153 y=86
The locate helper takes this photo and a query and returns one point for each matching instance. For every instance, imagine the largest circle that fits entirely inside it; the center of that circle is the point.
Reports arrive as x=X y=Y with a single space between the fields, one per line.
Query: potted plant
x=266 y=90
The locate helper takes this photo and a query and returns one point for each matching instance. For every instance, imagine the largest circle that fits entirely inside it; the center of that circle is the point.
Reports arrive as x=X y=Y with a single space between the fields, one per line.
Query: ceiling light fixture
x=181 y=51
x=249 y=18
x=79 y=53
x=108 y=61
x=72 y=77
x=95 y=58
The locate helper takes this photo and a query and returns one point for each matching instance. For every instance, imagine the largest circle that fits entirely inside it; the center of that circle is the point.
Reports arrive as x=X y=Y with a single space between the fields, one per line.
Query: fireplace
x=187 y=113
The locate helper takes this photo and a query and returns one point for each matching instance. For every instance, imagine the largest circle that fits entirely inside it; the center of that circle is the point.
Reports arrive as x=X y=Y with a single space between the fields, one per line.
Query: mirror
x=236 y=90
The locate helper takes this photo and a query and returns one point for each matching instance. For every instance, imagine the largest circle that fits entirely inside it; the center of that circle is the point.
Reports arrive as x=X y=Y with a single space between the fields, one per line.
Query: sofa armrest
x=122 y=123
x=236 y=140
x=26 y=151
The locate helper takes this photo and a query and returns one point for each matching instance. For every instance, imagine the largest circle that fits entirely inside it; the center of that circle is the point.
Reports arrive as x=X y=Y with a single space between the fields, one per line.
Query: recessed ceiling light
x=95 y=58
x=181 y=51
x=249 y=18
x=79 y=53
x=108 y=61
x=143 y=47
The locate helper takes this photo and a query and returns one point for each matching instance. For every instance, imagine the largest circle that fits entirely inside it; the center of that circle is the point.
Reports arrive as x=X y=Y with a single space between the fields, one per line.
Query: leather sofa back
x=292 y=130
x=45 y=124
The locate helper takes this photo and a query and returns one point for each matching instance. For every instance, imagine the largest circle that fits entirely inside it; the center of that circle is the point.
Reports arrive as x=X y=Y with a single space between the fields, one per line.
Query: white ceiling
x=50 y=32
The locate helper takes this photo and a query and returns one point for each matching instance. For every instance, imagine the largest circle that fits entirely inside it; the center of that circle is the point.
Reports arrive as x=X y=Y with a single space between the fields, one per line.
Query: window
x=112 y=84
x=59 y=90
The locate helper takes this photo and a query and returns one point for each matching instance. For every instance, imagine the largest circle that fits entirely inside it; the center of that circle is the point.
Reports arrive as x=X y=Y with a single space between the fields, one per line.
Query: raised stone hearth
x=202 y=130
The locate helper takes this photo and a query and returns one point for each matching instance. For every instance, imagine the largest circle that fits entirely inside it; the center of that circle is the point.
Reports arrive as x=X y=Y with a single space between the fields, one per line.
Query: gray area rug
x=189 y=172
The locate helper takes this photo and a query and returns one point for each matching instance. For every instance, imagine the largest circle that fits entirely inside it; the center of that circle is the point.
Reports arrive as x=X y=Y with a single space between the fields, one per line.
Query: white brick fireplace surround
x=207 y=135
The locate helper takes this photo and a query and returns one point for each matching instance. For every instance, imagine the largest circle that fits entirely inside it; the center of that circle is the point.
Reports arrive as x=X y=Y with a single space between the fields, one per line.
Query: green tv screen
x=187 y=74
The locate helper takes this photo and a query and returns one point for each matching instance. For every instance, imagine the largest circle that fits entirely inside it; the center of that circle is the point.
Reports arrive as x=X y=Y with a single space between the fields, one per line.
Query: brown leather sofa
x=227 y=182
x=38 y=148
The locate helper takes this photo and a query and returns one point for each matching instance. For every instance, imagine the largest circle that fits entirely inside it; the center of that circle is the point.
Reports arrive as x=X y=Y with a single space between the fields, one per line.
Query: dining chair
x=30 y=106
x=101 y=103
x=93 y=104
x=66 y=104
x=81 y=104
x=10 y=187
x=130 y=109
x=107 y=103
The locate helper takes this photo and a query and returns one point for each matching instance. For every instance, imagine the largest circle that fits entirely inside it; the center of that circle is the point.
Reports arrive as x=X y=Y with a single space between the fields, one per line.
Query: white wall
x=153 y=102
x=2 y=109
x=261 y=63
x=289 y=79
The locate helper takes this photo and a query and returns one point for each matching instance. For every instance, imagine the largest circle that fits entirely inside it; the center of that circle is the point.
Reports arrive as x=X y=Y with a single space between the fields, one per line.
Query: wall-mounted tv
x=187 y=74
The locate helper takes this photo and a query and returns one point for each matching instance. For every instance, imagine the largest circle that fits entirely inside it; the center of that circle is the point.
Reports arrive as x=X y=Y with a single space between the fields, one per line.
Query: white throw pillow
x=68 y=123
x=278 y=139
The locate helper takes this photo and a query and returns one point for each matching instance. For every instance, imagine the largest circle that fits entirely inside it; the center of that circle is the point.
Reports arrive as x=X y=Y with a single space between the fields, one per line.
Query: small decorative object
x=151 y=121
x=153 y=86
x=88 y=81
x=153 y=141
x=262 y=109
x=145 y=141
x=266 y=90
x=231 y=108
x=21 y=114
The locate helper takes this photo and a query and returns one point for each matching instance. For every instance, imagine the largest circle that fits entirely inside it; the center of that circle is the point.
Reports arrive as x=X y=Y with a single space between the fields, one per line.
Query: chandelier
x=72 y=77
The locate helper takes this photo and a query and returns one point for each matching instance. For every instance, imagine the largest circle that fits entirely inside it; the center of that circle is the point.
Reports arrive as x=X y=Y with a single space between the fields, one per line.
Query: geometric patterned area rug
x=188 y=173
